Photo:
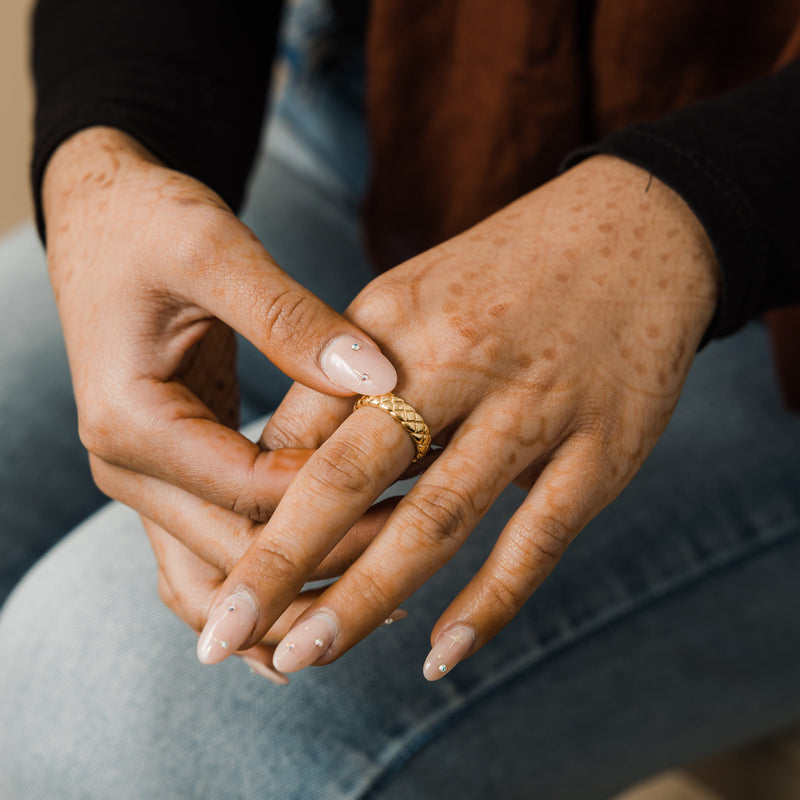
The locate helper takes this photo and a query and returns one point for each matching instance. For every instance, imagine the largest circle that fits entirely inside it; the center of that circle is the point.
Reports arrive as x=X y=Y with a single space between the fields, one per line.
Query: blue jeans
x=669 y=630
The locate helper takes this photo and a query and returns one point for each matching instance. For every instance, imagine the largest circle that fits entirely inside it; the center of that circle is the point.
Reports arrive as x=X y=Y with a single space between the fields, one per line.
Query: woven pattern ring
x=405 y=414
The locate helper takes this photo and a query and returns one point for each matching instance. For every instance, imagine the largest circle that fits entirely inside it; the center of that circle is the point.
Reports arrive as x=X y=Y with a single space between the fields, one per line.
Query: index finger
x=337 y=485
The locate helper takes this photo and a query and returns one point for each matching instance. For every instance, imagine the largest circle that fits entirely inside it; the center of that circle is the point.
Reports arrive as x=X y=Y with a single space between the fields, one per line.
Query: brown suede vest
x=472 y=103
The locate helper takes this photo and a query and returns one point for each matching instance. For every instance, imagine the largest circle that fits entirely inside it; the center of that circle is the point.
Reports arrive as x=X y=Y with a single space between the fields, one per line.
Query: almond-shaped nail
x=229 y=624
x=395 y=616
x=447 y=651
x=358 y=366
x=306 y=643
x=257 y=668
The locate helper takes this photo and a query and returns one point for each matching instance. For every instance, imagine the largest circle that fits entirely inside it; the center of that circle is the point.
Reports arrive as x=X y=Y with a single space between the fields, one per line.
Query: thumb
x=299 y=333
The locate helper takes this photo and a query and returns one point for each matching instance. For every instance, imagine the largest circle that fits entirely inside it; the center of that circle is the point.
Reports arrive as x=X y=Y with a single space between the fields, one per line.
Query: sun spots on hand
x=499 y=310
x=524 y=361
x=653 y=331
x=464 y=329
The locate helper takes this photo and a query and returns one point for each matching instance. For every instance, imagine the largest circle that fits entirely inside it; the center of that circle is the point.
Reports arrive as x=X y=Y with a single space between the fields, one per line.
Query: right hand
x=151 y=272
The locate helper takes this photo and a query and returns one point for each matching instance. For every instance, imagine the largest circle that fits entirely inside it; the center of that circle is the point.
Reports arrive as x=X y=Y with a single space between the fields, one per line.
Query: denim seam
x=603 y=621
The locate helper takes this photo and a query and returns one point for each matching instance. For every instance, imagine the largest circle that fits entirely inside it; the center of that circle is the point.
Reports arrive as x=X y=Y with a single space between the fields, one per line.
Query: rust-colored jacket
x=472 y=103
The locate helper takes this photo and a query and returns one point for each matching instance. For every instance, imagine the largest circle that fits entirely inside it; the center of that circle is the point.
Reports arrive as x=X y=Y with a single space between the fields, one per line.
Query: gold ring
x=405 y=414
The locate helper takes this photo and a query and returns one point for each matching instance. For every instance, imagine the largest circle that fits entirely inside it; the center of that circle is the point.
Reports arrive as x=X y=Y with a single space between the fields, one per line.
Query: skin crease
x=145 y=264
x=548 y=345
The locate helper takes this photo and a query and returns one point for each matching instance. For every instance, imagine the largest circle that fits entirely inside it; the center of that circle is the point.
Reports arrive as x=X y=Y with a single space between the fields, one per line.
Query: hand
x=547 y=345
x=152 y=274
x=187 y=584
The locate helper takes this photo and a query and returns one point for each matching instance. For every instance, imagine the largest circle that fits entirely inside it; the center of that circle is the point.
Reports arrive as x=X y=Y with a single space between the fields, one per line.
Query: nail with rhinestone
x=258 y=668
x=449 y=648
x=395 y=616
x=229 y=624
x=357 y=366
x=306 y=643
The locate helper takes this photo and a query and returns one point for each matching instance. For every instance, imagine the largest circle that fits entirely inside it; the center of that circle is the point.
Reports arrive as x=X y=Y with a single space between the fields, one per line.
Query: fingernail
x=257 y=668
x=395 y=616
x=229 y=624
x=448 y=650
x=306 y=643
x=358 y=366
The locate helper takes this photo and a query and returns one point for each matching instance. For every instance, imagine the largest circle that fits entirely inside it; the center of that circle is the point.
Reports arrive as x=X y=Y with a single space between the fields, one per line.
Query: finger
x=569 y=492
x=186 y=585
x=304 y=418
x=258 y=660
x=220 y=537
x=356 y=540
x=185 y=582
x=427 y=528
x=238 y=282
x=332 y=491
x=249 y=485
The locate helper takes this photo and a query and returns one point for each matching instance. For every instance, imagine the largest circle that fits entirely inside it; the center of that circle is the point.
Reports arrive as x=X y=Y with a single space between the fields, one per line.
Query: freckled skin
x=586 y=354
x=546 y=365
x=131 y=245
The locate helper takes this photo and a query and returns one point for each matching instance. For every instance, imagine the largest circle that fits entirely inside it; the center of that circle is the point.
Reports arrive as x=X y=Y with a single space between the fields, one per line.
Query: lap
x=309 y=223
x=45 y=485
x=668 y=631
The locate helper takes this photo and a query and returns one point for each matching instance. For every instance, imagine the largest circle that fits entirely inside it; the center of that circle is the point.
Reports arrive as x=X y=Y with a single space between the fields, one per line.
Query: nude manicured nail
x=448 y=650
x=395 y=616
x=229 y=624
x=306 y=643
x=358 y=366
x=257 y=668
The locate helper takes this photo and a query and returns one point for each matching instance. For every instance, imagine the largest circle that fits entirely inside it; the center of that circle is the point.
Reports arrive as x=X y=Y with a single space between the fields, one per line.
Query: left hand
x=547 y=345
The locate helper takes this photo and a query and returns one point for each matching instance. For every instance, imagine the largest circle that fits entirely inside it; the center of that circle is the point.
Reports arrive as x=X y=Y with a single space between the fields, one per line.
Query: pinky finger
x=568 y=493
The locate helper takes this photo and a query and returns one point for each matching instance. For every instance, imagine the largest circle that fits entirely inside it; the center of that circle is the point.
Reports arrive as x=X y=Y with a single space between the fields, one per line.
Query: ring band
x=405 y=414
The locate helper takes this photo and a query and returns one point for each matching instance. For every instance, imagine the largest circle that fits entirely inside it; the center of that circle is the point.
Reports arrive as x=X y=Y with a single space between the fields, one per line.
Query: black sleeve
x=735 y=160
x=188 y=80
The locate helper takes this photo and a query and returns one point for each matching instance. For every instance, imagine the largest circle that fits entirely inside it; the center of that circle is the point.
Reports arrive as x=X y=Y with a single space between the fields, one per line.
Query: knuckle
x=504 y=595
x=288 y=316
x=441 y=513
x=95 y=432
x=255 y=507
x=275 y=565
x=281 y=431
x=342 y=466
x=548 y=539
x=372 y=592
x=381 y=300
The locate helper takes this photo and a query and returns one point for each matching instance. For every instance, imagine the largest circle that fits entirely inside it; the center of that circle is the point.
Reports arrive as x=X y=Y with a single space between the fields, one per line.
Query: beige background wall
x=15 y=112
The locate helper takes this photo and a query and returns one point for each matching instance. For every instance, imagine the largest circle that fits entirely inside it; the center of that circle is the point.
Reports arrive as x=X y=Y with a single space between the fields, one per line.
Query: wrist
x=86 y=163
